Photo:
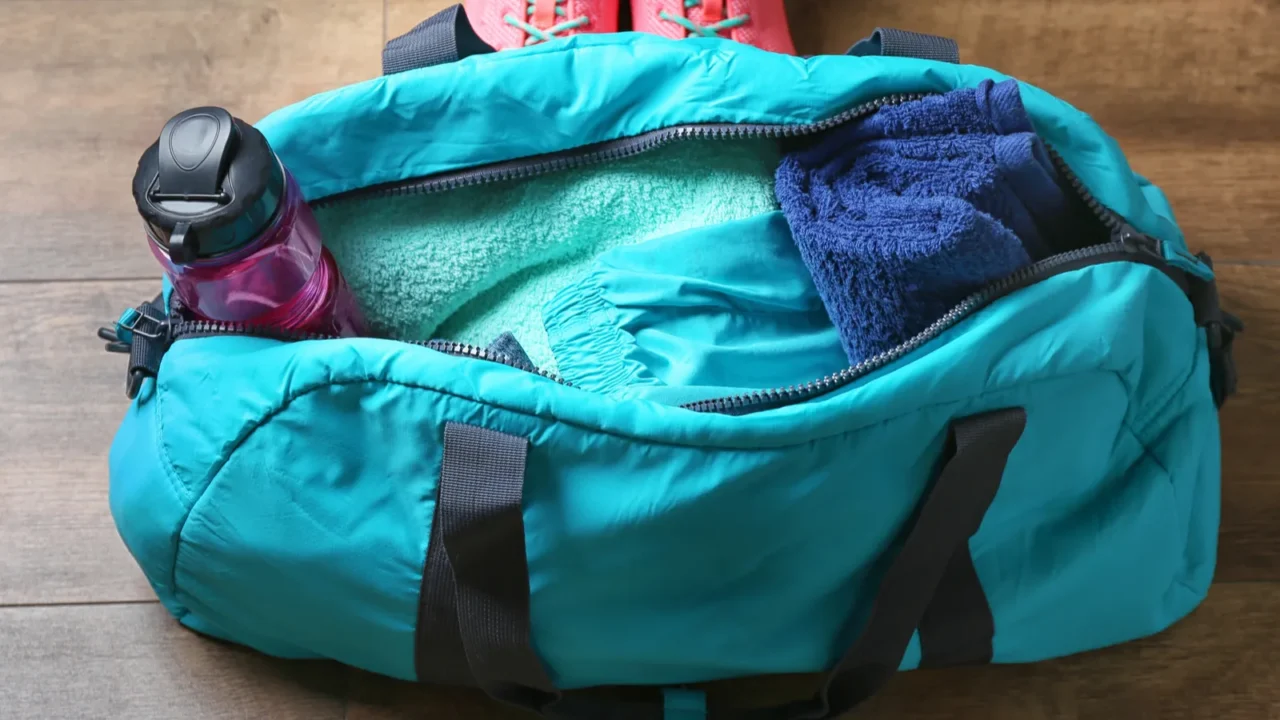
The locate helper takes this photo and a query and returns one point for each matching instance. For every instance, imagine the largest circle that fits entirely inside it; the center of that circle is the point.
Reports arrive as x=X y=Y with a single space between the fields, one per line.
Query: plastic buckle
x=132 y=321
x=142 y=333
x=133 y=383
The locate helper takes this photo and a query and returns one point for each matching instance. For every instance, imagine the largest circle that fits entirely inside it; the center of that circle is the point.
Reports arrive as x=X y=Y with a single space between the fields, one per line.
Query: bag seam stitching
x=1166 y=395
x=166 y=461
x=1148 y=453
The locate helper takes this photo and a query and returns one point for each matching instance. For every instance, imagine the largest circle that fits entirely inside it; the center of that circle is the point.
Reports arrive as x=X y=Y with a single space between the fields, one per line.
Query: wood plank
x=137 y=662
x=1186 y=87
x=1164 y=67
x=1249 y=544
x=1218 y=664
x=373 y=697
x=1225 y=192
x=85 y=86
x=402 y=15
x=61 y=398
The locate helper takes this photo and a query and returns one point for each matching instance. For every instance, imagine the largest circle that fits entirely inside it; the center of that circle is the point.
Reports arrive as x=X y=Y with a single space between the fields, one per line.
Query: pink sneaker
x=515 y=23
x=762 y=23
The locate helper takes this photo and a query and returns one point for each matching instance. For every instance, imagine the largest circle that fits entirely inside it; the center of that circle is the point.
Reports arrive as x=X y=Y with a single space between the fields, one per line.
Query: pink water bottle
x=229 y=224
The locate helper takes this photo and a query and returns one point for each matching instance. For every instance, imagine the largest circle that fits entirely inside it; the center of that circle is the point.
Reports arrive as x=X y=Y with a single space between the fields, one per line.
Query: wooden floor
x=1191 y=89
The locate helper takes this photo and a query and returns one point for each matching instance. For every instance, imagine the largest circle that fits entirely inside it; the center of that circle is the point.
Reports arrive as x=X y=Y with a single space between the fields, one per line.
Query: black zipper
x=1140 y=249
x=607 y=151
x=190 y=329
x=1127 y=244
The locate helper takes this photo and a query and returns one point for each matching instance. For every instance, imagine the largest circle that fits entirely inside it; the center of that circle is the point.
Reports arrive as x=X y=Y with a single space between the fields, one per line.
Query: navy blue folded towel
x=901 y=215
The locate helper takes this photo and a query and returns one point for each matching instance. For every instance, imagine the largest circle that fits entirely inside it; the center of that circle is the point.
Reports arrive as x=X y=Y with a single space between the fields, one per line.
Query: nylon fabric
x=707 y=310
x=480 y=488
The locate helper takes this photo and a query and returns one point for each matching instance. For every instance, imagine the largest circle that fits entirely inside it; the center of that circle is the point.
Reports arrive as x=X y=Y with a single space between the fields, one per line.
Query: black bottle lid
x=208 y=186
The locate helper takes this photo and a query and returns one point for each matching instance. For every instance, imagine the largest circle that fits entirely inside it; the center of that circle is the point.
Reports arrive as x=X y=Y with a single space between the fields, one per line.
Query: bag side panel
x=148 y=500
x=656 y=535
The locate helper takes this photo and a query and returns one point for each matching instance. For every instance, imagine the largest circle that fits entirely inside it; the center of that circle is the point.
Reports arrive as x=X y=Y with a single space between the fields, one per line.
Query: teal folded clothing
x=899 y=216
x=710 y=311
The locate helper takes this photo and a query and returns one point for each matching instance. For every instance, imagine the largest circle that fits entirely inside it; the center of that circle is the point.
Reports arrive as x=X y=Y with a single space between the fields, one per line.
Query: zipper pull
x=1134 y=241
x=144 y=333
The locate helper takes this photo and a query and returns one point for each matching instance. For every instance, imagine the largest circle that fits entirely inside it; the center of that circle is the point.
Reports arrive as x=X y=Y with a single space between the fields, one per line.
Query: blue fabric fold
x=901 y=215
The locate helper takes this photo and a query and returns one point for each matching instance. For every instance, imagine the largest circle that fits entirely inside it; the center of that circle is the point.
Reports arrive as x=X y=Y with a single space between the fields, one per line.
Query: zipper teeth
x=197 y=328
x=1102 y=212
x=609 y=151
x=202 y=328
x=463 y=349
x=969 y=305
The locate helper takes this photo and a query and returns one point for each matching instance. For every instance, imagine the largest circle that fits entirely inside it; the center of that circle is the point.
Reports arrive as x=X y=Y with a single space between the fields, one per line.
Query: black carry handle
x=950 y=515
x=892 y=42
x=932 y=574
x=477 y=582
x=442 y=38
x=474 y=620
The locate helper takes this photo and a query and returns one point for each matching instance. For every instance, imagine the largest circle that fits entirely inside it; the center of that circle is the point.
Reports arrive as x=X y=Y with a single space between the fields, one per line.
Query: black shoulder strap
x=930 y=585
x=904 y=43
x=481 y=516
x=950 y=514
x=442 y=38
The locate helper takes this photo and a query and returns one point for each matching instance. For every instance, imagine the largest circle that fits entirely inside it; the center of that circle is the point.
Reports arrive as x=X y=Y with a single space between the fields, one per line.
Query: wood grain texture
x=61 y=399
x=1220 y=663
x=137 y=662
x=1249 y=544
x=402 y=15
x=85 y=86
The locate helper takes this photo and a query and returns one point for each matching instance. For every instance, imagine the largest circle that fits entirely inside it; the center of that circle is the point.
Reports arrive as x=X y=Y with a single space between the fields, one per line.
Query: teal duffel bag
x=1035 y=474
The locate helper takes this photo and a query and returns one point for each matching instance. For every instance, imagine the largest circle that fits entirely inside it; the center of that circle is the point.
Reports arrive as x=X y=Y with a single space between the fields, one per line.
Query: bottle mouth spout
x=208 y=185
x=193 y=153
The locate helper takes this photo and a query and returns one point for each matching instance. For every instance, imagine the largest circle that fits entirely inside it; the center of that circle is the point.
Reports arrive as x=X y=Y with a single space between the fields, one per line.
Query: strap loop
x=442 y=38
x=892 y=42
x=1221 y=328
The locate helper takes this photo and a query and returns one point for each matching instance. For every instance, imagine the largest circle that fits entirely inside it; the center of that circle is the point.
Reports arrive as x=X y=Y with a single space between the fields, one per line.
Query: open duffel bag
x=667 y=470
